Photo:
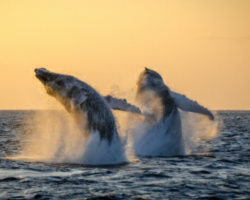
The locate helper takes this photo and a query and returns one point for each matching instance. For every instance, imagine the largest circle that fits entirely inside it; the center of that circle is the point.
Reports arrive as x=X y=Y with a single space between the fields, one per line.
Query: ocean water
x=215 y=168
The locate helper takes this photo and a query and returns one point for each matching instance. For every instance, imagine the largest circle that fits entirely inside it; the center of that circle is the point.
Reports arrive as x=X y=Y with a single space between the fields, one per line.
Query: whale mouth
x=44 y=75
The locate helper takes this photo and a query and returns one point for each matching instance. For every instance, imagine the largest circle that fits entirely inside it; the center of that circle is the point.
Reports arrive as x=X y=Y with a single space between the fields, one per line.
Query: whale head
x=149 y=80
x=153 y=95
x=66 y=89
x=149 y=87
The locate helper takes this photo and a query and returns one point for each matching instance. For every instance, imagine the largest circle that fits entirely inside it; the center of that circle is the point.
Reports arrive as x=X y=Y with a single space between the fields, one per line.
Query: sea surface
x=218 y=168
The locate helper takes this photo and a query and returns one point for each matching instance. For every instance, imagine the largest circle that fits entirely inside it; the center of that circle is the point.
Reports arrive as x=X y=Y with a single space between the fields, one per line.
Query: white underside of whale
x=164 y=139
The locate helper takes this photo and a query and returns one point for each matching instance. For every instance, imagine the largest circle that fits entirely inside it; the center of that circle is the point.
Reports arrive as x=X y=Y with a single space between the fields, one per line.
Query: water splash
x=58 y=139
x=198 y=128
x=163 y=139
x=170 y=137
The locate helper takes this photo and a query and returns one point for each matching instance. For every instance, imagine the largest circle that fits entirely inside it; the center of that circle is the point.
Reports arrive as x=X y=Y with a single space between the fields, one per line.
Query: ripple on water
x=216 y=169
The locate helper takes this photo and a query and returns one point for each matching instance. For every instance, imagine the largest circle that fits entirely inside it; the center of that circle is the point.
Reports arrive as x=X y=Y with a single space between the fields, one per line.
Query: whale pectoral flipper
x=121 y=104
x=189 y=105
x=78 y=97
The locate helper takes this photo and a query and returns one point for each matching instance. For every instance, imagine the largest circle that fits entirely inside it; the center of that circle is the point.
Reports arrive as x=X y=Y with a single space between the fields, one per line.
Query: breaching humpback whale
x=162 y=134
x=91 y=112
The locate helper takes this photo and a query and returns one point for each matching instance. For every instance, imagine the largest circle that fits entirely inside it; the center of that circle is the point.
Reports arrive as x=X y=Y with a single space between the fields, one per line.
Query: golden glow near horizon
x=201 y=48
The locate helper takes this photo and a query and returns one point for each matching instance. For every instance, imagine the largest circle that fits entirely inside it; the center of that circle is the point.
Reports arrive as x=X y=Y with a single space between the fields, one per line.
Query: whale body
x=91 y=113
x=161 y=133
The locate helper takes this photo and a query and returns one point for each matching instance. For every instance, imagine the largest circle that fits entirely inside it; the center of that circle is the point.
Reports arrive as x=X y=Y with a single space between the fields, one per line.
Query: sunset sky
x=201 y=48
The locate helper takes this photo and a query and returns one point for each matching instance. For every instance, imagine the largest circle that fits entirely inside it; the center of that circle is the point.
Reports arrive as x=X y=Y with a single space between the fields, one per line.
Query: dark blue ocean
x=217 y=168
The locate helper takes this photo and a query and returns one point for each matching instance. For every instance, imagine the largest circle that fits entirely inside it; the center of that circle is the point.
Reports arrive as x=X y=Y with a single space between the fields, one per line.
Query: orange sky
x=201 y=48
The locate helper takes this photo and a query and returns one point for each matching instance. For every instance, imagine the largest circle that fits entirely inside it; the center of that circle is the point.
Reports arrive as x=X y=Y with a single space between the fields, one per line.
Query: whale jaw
x=45 y=76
